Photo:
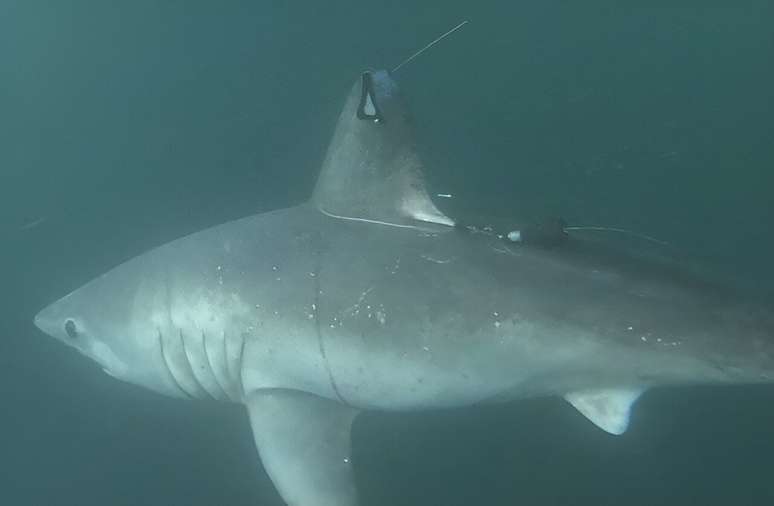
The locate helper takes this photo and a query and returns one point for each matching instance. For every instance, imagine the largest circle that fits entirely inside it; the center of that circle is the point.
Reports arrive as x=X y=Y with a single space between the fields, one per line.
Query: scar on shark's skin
x=436 y=260
x=354 y=309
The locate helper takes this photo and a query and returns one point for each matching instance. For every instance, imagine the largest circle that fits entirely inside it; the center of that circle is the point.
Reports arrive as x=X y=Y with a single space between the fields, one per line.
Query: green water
x=125 y=125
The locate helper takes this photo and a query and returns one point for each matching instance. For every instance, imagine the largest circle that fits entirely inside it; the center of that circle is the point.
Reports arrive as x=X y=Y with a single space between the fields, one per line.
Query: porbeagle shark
x=368 y=297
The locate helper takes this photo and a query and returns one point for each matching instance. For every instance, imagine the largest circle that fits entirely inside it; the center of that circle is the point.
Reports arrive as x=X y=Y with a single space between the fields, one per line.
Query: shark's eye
x=70 y=329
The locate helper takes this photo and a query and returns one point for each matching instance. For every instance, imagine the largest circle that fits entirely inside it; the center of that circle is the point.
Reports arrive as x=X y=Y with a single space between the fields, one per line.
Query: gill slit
x=169 y=369
x=191 y=367
x=229 y=373
x=241 y=367
x=318 y=330
x=212 y=369
x=161 y=338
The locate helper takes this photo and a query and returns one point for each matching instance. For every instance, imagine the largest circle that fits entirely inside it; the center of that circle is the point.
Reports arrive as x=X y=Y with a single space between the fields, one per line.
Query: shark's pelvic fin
x=608 y=409
x=304 y=444
x=372 y=172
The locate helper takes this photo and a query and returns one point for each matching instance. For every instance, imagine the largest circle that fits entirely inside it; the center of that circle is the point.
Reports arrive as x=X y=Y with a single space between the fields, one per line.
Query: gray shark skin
x=369 y=298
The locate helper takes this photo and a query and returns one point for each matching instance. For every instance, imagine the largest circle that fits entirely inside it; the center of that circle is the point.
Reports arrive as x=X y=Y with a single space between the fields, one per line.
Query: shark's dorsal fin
x=372 y=172
x=608 y=409
x=304 y=444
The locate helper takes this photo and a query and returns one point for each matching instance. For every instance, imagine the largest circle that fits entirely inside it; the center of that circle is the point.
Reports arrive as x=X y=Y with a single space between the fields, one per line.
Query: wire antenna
x=437 y=40
x=622 y=231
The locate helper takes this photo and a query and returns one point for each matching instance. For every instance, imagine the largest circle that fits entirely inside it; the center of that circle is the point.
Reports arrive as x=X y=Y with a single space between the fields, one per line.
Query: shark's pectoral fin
x=608 y=409
x=304 y=444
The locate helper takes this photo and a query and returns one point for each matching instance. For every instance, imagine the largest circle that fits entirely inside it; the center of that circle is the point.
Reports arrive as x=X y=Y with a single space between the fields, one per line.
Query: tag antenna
x=437 y=40
x=621 y=231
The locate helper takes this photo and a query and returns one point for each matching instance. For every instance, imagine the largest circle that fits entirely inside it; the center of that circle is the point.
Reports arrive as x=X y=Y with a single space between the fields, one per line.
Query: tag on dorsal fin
x=608 y=409
x=372 y=172
x=304 y=444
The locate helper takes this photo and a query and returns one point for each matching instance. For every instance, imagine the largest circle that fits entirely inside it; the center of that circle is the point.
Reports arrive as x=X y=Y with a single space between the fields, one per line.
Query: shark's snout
x=42 y=321
x=52 y=321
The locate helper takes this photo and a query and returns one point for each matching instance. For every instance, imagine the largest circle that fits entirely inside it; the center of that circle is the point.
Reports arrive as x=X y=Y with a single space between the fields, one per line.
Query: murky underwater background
x=124 y=125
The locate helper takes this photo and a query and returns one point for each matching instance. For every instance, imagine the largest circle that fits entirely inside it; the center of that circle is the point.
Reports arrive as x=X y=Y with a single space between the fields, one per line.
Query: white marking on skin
x=354 y=309
x=435 y=260
x=504 y=250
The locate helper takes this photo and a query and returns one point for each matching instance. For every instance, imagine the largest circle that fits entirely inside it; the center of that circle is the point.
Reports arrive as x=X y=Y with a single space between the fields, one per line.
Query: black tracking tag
x=368 y=108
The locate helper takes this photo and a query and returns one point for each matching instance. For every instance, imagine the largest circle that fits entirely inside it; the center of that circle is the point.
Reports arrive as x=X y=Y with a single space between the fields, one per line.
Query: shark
x=367 y=297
